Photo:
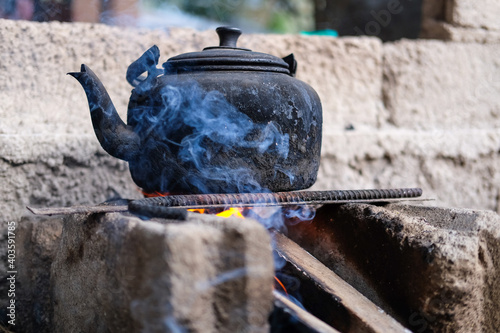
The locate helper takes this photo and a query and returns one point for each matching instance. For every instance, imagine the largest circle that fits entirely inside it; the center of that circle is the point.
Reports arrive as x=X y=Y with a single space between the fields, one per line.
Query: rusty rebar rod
x=241 y=200
x=276 y=198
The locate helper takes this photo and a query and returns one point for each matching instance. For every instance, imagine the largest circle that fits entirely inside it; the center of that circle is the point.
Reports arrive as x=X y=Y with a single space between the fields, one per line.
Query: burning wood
x=302 y=316
x=363 y=315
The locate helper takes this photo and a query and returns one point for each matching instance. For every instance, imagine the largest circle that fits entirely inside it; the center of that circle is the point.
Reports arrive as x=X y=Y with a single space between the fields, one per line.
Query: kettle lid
x=225 y=57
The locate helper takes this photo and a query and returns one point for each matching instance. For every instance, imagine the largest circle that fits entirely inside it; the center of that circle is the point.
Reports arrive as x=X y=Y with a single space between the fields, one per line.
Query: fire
x=199 y=211
x=280 y=284
x=236 y=212
x=233 y=211
x=153 y=194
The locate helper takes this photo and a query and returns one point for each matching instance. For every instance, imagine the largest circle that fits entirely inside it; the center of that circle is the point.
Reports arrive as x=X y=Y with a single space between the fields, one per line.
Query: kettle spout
x=117 y=138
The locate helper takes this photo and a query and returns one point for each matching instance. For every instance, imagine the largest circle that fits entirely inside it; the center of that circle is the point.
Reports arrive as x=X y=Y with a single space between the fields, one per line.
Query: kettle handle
x=292 y=64
x=146 y=63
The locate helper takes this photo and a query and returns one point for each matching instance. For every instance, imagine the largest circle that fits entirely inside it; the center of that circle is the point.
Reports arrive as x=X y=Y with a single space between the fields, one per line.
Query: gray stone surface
x=432 y=29
x=433 y=269
x=457 y=168
x=37 y=95
x=436 y=85
x=119 y=273
x=461 y=20
x=474 y=14
x=37 y=242
x=58 y=170
x=115 y=272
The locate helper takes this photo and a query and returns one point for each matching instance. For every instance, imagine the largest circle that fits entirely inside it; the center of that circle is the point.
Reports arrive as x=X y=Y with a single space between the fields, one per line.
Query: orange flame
x=236 y=212
x=154 y=194
x=199 y=211
x=281 y=284
x=233 y=211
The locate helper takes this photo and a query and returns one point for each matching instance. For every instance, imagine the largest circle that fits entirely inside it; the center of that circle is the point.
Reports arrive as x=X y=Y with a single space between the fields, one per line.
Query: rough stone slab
x=434 y=269
x=58 y=170
x=474 y=13
x=461 y=19
x=116 y=272
x=432 y=29
x=431 y=84
x=37 y=242
x=458 y=168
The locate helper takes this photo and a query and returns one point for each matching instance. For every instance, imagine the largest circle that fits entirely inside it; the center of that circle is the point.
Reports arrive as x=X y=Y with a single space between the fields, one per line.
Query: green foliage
x=276 y=15
x=220 y=10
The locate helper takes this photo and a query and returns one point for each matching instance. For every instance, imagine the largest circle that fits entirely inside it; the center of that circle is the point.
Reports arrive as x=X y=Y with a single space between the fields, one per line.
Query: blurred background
x=387 y=19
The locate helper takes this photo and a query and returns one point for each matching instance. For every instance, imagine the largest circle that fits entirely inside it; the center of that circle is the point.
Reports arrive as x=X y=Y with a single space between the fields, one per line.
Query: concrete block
x=37 y=242
x=432 y=29
x=474 y=14
x=116 y=272
x=433 y=269
x=37 y=96
x=58 y=170
x=461 y=20
x=432 y=84
x=456 y=168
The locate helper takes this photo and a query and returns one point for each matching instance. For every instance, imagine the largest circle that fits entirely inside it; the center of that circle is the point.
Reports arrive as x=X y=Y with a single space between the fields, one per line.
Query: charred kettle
x=223 y=120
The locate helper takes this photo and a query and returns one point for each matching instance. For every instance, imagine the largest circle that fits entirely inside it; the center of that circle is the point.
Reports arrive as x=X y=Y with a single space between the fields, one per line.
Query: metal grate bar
x=277 y=198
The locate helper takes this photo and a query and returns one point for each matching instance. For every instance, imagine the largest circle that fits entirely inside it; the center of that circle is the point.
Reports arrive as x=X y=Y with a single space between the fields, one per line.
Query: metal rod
x=76 y=210
x=277 y=198
x=243 y=200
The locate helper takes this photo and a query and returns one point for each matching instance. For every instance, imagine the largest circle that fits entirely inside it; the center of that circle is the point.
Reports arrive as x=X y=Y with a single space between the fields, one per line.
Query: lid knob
x=228 y=36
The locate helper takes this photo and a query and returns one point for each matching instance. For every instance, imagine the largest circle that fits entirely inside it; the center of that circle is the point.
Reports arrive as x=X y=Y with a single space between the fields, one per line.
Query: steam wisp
x=206 y=143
